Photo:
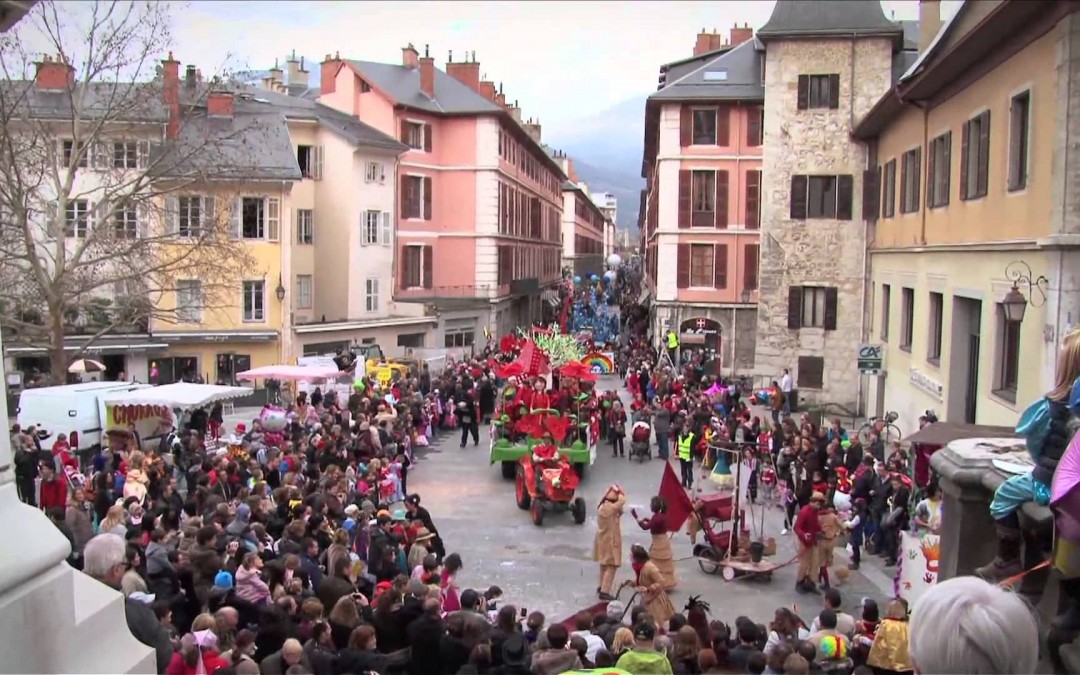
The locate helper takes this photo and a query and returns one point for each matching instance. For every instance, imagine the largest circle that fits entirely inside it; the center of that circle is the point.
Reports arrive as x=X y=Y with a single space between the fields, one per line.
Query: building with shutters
x=975 y=163
x=701 y=210
x=583 y=228
x=824 y=65
x=479 y=199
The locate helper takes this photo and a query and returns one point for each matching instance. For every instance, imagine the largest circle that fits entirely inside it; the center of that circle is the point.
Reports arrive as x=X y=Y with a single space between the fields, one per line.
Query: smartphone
x=524 y=612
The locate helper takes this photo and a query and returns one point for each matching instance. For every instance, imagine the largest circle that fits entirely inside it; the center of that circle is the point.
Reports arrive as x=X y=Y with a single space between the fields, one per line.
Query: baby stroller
x=639 y=441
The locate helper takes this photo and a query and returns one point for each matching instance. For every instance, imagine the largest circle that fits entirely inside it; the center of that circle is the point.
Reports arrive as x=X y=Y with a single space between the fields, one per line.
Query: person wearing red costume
x=807 y=531
x=539 y=398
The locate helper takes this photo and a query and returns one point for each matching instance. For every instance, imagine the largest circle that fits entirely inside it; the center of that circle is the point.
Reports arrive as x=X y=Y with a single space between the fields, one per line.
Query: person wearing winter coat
x=249 y=583
x=607 y=547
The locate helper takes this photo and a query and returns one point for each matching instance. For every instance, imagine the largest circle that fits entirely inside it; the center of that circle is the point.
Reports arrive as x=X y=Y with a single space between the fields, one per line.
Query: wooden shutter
x=751 y=252
x=931 y=167
x=871 y=194
x=172 y=215
x=406 y=190
x=235 y=218
x=834 y=91
x=686 y=126
x=798 y=197
x=753 y=127
x=429 y=266
x=685 y=194
x=965 y=148
x=984 y=153
x=682 y=267
x=946 y=185
x=753 y=199
x=403 y=267
x=803 y=101
x=720 y=266
x=404 y=132
x=427 y=198
x=723 y=126
x=429 y=131
x=830 y=308
x=721 y=205
x=845 y=194
x=916 y=182
x=794 y=307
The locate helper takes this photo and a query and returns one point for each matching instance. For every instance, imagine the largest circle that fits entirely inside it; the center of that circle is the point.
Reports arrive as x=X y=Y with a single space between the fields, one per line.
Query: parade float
x=526 y=417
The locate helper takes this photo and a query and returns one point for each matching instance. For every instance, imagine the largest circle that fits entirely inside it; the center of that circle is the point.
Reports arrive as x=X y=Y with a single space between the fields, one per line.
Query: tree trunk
x=58 y=362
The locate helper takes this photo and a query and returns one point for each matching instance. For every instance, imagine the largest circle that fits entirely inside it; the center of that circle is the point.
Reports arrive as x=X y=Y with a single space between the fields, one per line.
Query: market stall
x=295 y=373
x=153 y=411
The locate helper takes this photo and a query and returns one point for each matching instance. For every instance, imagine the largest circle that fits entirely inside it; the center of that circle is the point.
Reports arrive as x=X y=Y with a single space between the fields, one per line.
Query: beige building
x=973 y=154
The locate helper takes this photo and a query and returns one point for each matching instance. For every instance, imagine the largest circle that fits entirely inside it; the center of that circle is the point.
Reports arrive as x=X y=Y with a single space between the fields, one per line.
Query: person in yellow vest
x=672 y=344
x=685 y=449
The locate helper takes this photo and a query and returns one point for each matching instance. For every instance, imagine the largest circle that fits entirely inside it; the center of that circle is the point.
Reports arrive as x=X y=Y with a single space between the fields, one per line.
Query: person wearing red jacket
x=54 y=488
x=807 y=530
x=61 y=451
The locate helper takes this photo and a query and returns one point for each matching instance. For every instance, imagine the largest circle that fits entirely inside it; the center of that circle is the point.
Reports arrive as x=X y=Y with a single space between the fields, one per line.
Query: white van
x=72 y=409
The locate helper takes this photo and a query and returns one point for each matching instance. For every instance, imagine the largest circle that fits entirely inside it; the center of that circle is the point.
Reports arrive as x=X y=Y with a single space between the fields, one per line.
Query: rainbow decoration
x=599 y=364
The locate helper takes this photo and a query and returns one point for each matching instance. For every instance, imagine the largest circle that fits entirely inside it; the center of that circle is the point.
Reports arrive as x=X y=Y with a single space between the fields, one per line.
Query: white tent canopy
x=285 y=372
x=182 y=395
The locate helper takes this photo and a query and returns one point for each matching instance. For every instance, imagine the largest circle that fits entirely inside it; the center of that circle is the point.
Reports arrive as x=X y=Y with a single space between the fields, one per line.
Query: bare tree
x=97 y=135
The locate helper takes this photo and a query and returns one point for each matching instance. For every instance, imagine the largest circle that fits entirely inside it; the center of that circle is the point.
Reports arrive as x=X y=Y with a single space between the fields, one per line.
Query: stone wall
x=815 y=252
x=738 y=330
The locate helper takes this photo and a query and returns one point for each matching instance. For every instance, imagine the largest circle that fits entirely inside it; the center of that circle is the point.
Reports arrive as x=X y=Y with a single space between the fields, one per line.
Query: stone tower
x=826 y=64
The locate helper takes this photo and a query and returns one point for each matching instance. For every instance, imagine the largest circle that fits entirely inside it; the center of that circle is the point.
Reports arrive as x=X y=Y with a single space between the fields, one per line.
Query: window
x=68 y=149
x=254 y=301
x=416 y=135
x=375 y=173
x=371 y=295
x=705 y=126
x=303 y=291
x=189 y=301
x=753 y=199
x=888 y=190
x=821 y=197
x=1019 y=140
x=715 y=76
x=910 y=176
x=305 y=226
x=253 y=218
x=189 y=216
x=907 y=318
x=821 y=202
x=364 y=87
x=416 y=198
x=1008 y=365
x=125 y=155
x=812 y=307
x=702 y=265
x=371 y=228
x=886 y=308
x=755 y=126
x=939 y=170
x=416 y=266
x=811 y=372
x=819 y=91
x=77 y=218
x=975 y=157
x=459 y=337
x=933 y=341
x=126 y=222
x=751 y=255
x=703 y=198
x=310 y=160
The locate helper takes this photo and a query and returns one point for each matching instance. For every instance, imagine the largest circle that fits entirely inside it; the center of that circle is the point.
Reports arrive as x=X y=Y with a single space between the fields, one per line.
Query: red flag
x=678 y=502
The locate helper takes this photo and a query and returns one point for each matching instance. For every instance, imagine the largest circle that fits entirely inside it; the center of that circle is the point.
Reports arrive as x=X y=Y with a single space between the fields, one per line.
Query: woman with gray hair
x=966 y=625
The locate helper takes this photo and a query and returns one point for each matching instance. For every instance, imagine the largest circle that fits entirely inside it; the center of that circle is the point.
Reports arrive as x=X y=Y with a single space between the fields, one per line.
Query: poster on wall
x=917 y=567
x=149 y=420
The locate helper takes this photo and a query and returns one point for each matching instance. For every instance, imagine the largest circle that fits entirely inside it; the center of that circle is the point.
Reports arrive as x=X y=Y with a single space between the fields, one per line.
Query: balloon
x=614 y=260
x=577 y=280
x=593 y=277
x=610 y=275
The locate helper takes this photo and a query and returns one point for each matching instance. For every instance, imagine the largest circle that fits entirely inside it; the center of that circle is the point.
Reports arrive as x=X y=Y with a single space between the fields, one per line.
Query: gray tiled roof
x=677 y=69
x=742 y=67
x=141 y=101
x=795 y=18
x=403 y=85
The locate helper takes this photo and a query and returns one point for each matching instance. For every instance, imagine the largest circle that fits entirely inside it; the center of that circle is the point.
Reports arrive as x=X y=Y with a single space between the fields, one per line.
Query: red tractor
x=545 y=481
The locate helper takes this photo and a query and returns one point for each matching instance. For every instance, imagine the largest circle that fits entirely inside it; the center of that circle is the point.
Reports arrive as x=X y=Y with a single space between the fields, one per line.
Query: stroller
x=639 y=440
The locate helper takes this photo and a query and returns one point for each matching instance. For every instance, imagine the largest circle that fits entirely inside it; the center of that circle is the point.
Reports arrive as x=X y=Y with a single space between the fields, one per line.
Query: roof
x=827 y=18
x=669 y=72
x=11 y=11
x=742 y=72
x=403 y=85
x=119 y=102
x=182 y=395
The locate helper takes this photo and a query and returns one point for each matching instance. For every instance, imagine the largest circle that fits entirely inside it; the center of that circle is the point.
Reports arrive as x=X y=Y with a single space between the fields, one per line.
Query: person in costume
x=889 y=651
x=807 y=532
x=1045 y=426
x=660 y=549
x=1065 y=504
x=607 y=546
x=649 y=584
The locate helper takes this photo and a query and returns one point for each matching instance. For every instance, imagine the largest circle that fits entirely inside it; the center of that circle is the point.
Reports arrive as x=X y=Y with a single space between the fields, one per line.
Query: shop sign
x=871 y=359
x=926 y=384
x=698 y=331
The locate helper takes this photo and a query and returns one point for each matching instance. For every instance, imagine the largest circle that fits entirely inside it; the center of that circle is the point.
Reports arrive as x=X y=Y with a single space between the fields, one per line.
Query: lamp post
x=1015 y=302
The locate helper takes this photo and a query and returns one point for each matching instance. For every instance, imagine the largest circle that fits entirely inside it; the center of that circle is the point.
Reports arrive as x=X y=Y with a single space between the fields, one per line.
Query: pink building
x=479 y=199
x=702 y=206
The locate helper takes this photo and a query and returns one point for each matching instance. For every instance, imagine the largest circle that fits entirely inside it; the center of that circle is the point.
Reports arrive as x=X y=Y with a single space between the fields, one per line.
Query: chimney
x=487 y=90
x=515 y=112
x=716 y=41
x=55 y=75
x=929 y=22
x=410 y=57
x=500 y=99
x=276 y=72
x=293 y=69
x=190 y=77
x=740 y=34
x=703 y=44
x=466 y=72
x=533 y=129
x=219 y=103
x=170 y=94
x=328 y=74
x=427 y=74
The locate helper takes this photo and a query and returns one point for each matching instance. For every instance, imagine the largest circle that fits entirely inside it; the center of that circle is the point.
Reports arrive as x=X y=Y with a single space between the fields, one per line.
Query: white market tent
x=182 y=395
x=285 y=372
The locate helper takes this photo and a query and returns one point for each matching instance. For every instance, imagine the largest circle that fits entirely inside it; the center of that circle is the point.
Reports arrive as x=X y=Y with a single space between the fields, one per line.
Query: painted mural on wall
x=917 y=568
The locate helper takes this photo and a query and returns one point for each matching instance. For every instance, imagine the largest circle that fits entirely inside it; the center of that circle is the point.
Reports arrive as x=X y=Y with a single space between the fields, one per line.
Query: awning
x=943 y=433
x=131 y=344
x=182 y=395
x=217 y=336
x=286 y=372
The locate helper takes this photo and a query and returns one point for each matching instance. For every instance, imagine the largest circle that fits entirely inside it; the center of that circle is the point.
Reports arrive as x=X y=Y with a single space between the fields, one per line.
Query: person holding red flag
x=660 y=550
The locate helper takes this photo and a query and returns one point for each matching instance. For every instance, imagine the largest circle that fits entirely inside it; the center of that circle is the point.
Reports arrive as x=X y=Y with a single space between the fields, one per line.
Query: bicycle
x=887 y=430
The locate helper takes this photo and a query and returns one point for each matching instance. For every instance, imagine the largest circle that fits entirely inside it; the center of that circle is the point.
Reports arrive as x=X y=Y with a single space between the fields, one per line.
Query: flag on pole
x=678 y=502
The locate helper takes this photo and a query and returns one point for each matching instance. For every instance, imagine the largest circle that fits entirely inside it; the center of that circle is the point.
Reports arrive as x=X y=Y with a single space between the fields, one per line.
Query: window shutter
x=798 y=197
x=273 y=219
x=931 y=167
x=753 y=127
x=871 y=194
x=803 y=101
x=403 y=267
x=845 y=189
x=984 y=153
x=427 y=198
x=723 y=126
x=208 y=216
x=144 y=154
x=317 y=156
x=172 y=215
x=141 y=215
x=830 y=308
x=965 y=148
x=682 y=267
x=720 y=266
x=427 y=137
x=750 y=266
x=234 y=218
x=404 y=132
x=686 y=126
x=794 y=307
x=429 y=266
x=721 y=214
x=753 y=199
x=387 y=229
x=685 y=193
x=946 y=186
x=406 y=193
x=834 y=91
x=917 y=179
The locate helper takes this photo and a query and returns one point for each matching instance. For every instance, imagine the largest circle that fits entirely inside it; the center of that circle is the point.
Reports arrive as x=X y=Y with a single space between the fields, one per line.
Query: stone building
x=826 y=64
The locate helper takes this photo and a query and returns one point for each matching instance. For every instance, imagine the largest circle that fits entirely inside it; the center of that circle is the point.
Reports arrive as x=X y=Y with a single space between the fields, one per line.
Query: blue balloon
x=593 y=277
x=577 y=280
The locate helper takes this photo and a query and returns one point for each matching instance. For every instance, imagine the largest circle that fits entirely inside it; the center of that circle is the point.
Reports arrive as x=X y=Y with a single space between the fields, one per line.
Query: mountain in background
x=607 y=149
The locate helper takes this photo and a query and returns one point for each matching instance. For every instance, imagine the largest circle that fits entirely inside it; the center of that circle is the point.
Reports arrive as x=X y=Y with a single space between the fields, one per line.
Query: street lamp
x=280 y=290
x=1015 y=302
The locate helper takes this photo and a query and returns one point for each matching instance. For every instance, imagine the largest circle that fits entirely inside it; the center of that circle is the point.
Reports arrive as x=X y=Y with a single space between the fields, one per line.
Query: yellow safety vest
x=672 y=340
x=685 y=446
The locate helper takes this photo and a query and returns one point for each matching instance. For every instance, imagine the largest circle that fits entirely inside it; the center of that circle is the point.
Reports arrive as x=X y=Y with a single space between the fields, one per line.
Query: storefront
x=700 y=333
x=211 y=357
x=393 y=335
x=124 y=356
